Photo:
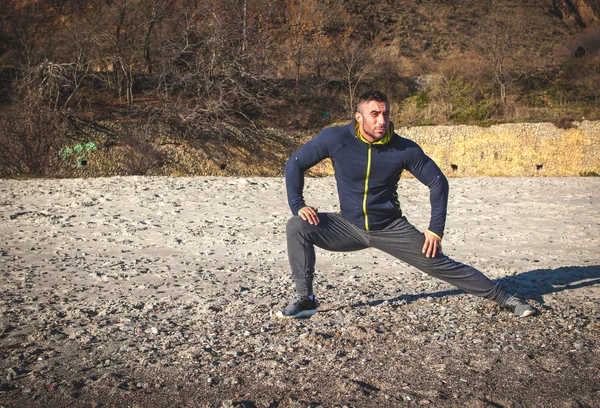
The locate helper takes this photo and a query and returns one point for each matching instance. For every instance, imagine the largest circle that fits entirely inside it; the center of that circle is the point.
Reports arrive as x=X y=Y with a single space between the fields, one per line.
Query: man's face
x=374 y=120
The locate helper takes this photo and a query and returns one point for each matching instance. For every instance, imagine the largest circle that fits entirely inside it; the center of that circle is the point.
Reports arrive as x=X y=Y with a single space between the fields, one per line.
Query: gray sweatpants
x=400 y=239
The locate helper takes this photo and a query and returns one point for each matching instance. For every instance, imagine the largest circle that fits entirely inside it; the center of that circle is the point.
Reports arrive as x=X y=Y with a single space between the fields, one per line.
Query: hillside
x=287 y=65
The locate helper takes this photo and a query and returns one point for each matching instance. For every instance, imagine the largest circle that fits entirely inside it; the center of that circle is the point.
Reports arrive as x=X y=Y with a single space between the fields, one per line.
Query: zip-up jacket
x=367 y=176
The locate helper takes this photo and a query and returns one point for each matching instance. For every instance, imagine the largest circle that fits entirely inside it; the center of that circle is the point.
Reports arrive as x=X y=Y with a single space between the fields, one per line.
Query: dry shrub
x=140 y=155
x=30 y=140
x=564 y=123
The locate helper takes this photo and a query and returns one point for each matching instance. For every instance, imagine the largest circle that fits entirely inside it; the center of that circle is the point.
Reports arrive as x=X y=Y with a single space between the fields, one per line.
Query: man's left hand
x=432 y=245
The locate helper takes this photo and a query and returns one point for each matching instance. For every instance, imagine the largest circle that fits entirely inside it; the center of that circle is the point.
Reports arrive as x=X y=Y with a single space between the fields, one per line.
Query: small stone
x=124 y=385
x=154 y=330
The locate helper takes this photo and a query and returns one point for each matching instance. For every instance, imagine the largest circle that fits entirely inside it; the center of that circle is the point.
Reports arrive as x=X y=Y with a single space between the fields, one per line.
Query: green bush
x=532 y=100
x=562 y=93
x=476 y=112
x=422 y=99
x=78 y=153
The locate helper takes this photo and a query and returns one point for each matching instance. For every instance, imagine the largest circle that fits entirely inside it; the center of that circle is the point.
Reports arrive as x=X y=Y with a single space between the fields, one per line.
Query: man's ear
x=358 y=117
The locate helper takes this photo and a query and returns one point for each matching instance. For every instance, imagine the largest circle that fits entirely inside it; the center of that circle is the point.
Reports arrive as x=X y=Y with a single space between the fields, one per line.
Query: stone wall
x=525 y=149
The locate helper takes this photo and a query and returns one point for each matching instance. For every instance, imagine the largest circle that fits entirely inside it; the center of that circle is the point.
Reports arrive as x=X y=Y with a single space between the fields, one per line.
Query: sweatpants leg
x=334 y=233
x=403 y=241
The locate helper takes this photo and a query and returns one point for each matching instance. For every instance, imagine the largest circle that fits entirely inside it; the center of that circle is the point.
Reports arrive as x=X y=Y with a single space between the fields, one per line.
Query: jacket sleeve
x=306 y=157
x=427 y=172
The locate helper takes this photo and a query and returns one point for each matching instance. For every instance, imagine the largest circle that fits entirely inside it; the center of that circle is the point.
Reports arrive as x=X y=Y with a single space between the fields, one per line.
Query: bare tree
x=354 y=66
x=307 y=38
x=244 y=26
x=157 y=10
x=28 y=33
x=120 y=32
x=204 y=72
x=328 y=21
x=500 y=42
x=30 y=138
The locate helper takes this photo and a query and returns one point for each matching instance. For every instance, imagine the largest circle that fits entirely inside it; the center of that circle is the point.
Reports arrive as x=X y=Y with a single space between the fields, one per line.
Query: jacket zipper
x=367 y=189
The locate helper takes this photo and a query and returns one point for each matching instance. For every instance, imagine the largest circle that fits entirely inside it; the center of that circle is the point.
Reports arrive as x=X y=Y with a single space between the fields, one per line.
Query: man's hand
x=432 y=245
x=309 y=214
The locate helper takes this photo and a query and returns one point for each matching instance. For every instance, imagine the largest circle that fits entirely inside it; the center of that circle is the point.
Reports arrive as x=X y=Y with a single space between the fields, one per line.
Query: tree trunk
x=245 y=27
x=147 y=46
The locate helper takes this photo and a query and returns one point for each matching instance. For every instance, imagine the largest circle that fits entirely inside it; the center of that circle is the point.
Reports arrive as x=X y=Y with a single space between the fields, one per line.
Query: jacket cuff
x=433 y=233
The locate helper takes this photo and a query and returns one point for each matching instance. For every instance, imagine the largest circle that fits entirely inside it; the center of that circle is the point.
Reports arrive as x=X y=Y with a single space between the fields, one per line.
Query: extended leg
x=405 y=242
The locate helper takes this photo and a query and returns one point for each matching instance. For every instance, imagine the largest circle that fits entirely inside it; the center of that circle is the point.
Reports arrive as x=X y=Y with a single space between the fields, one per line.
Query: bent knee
x=296 y=225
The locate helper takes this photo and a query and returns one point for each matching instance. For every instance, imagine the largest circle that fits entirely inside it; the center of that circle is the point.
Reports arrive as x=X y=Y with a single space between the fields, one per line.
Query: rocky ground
x=160 y=292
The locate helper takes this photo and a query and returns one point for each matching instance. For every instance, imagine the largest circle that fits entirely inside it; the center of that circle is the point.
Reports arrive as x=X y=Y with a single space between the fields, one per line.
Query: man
x=368 y=159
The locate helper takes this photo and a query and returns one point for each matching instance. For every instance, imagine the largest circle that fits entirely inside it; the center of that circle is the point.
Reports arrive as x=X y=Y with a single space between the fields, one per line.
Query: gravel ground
x=160 y=292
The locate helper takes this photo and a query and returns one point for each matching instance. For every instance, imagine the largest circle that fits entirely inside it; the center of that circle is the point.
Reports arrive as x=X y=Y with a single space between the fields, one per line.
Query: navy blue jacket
x=367 y=176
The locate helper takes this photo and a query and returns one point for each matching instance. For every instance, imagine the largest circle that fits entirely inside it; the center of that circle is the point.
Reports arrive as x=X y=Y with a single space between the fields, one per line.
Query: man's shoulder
x=339 y=131
x=402 y=142
x=335 y=135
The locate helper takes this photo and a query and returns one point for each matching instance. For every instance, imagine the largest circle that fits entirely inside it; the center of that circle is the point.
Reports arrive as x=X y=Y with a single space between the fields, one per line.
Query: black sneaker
x=301 y=307
x=519 y=307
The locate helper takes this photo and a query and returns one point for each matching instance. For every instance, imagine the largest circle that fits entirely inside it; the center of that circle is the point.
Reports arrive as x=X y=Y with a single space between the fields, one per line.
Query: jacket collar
x=386 y=138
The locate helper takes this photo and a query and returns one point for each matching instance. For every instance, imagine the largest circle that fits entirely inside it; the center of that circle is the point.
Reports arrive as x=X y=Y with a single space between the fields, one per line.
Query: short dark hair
x=371 y=96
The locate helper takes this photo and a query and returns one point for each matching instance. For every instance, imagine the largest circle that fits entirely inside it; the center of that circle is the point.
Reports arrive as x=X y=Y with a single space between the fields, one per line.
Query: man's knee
x=296 y=225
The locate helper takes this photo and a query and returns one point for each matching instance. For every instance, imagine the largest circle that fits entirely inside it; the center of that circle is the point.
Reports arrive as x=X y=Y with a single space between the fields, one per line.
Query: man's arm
x=438 y=197
x=307 y=156
x=428 y=173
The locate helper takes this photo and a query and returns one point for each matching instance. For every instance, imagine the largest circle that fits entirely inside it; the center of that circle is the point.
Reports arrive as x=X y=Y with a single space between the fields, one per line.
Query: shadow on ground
x=529 y=285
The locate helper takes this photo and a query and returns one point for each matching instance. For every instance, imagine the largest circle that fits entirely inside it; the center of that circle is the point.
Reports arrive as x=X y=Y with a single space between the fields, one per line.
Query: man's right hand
x=309 y=214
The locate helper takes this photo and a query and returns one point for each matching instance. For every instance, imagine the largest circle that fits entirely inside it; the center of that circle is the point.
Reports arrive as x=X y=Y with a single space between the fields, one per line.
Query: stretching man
x=368 y=159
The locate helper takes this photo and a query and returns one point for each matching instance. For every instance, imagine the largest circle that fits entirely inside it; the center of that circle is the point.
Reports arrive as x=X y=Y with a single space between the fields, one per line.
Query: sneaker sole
x=528 y=313
x=304 y=313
